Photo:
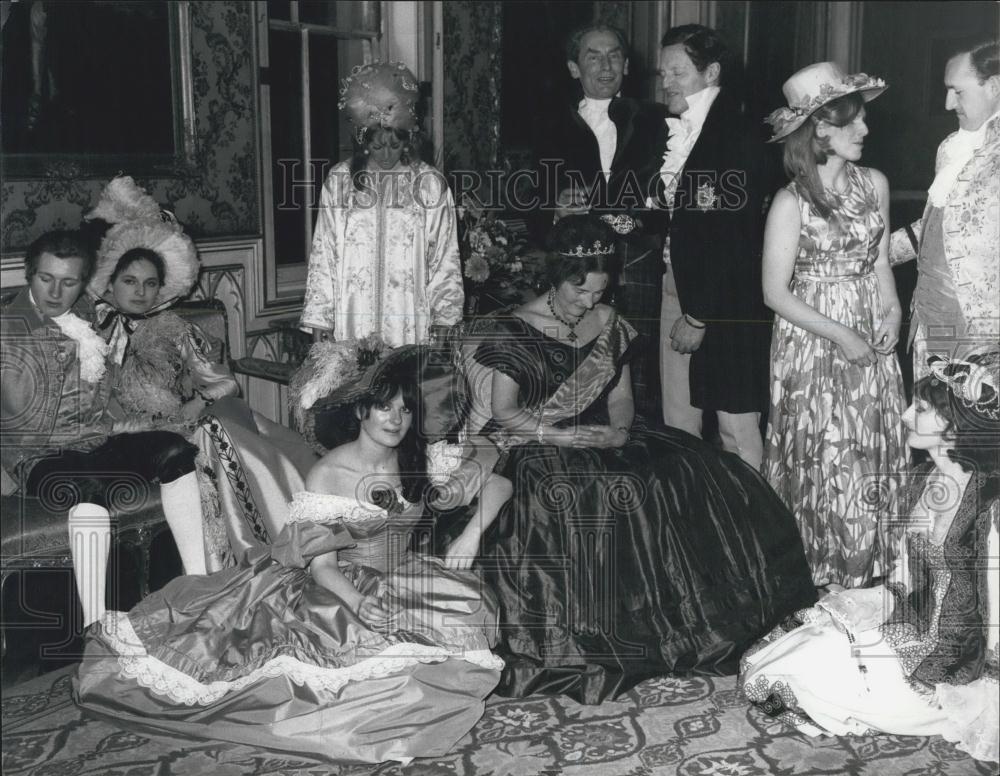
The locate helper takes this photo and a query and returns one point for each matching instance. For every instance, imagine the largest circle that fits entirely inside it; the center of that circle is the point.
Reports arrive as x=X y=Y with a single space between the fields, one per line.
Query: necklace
x=552 y=309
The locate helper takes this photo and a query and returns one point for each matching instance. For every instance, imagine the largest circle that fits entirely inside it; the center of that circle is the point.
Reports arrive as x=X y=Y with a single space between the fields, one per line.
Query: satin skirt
x=665 y=556
x=263 y=655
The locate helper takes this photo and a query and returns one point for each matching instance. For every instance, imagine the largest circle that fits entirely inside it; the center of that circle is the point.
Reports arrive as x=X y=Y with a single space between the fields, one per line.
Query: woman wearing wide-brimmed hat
x=334 y=641
x=834 y=448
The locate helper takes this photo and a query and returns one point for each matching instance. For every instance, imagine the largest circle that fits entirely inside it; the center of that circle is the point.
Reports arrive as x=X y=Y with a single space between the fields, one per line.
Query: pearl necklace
x=571 y=326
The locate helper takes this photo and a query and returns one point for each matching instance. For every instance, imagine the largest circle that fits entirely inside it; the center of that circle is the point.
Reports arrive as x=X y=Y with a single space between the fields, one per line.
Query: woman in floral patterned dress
x=834 y=449
x=384 y=256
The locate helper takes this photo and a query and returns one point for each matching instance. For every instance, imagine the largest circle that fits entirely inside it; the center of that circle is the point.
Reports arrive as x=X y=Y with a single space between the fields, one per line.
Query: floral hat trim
x=975 y=383
x=786 y=120
x=380 y=94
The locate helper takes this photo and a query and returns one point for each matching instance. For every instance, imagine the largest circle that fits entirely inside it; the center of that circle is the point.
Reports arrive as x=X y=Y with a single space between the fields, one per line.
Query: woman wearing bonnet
x=916 y=655
x=384 y=257
x=165 y=377
x=834 y=436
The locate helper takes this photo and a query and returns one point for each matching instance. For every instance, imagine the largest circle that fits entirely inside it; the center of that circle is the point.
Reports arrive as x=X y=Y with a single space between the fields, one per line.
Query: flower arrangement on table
x=497 y=267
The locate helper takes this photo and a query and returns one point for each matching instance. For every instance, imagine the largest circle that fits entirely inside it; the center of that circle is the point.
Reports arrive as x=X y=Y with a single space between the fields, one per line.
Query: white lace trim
x=165 y=680
x=310 y=507
x=443 y=458
x=92 y=350
x=973 y=712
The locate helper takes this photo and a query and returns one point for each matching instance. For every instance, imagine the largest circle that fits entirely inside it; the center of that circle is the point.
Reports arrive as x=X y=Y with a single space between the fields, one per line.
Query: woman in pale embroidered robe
x=384 y=256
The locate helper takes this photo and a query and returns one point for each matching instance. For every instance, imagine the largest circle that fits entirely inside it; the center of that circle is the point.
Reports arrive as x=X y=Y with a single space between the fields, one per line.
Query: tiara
x=974 y=383
x=597 y=249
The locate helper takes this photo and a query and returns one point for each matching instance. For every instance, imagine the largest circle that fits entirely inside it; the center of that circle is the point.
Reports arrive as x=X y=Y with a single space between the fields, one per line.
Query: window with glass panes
x=310 y=47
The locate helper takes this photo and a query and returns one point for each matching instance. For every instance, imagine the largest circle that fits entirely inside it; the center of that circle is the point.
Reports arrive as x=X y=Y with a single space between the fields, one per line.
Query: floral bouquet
x=497 y=267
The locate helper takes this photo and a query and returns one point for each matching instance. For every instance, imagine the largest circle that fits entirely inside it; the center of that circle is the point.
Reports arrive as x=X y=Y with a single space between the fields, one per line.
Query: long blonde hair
x=805 y=150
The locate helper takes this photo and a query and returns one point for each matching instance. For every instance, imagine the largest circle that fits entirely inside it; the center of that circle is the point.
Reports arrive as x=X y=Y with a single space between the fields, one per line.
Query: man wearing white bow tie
x=714 y=330
x=602 y=154
x=956 y=303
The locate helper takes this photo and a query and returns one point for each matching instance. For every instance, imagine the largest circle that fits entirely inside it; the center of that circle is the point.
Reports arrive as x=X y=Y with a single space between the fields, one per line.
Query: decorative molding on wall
x=247 y=252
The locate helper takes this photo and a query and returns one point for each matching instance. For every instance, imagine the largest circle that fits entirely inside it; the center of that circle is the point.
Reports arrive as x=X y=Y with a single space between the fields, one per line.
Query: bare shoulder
x=332 y=473
x=879 y=180
x=784 y=206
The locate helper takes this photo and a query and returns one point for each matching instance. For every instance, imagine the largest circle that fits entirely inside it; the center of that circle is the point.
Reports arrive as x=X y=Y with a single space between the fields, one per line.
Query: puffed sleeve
x=506 y=349
x=324 y=256
x=210 y=379
x=300 y=542
x=445 y=294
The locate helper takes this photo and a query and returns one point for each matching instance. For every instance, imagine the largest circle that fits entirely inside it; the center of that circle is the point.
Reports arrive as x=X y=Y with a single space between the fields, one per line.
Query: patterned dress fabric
x=834 y=450
x=613 y=565
x=262 y=654
x=929 y=668
x=384 y=259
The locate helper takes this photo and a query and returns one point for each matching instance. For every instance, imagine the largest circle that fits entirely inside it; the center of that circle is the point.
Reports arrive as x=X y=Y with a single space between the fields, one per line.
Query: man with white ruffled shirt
x=601 y=154
x=714 y=330
x=956 y=303
x=59 y=441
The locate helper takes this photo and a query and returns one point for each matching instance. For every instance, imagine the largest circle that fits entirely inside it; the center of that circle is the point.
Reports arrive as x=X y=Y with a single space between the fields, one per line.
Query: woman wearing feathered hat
x=384 y=257
x=145 y=264
x=834 y=433
x=333 y=641
x=916 y=655
x=165 y=378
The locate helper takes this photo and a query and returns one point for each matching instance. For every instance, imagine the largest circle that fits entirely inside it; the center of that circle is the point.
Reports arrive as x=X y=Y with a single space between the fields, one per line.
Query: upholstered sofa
x=40 y=610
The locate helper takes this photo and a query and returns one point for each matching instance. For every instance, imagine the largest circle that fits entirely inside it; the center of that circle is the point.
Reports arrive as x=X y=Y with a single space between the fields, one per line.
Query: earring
x=365 y=152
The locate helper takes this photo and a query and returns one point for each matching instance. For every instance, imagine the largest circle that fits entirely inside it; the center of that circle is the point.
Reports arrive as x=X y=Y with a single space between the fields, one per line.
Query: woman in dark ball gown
x=626 y=552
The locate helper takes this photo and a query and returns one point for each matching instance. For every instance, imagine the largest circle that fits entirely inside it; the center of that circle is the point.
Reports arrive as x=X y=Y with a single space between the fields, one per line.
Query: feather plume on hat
x=139 y=222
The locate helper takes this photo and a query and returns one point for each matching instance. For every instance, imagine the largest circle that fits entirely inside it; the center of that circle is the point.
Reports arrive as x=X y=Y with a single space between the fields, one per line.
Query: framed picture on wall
x=87 y=89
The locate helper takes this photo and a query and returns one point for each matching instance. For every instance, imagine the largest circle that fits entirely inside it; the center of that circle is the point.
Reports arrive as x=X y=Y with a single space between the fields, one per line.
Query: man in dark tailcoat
x=602 y=154
x=714 y=327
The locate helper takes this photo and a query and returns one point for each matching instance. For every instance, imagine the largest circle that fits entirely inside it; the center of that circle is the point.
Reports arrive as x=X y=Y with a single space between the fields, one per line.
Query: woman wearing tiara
x=333 y=641
x=625 y=553
x=916 y=655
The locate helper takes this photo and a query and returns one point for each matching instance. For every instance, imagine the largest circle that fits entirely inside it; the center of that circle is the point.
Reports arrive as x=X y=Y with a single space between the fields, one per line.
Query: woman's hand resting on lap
x=373 y=613
x=591 y=436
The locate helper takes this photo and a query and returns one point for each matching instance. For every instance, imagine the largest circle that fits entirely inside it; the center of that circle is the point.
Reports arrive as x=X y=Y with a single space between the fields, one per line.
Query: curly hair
x=575 y=231
x=973 y=439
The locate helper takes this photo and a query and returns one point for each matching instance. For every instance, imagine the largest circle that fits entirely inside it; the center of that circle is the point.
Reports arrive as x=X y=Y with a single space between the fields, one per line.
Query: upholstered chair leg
x=182 y=508
x=90 y=544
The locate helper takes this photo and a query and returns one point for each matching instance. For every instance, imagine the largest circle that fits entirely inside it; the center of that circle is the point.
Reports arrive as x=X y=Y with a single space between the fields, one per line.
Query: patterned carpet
x=688 y=727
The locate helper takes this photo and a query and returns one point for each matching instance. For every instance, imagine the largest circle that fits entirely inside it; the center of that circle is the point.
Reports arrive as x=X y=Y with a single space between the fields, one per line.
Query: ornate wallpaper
x=472 y=31
x=220 y=194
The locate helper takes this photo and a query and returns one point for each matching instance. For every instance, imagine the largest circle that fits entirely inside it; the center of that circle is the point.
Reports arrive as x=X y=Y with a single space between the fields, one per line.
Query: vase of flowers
x=497 y=268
